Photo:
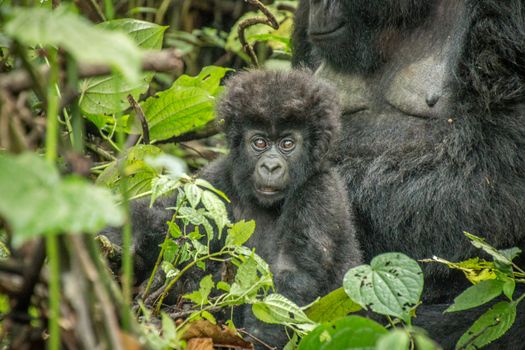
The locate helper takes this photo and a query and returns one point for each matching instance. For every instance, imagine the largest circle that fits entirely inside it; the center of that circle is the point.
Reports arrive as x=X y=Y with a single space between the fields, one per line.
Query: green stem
x=52 y=240
x=174 y=280
x=127 y=258
x=161 y=254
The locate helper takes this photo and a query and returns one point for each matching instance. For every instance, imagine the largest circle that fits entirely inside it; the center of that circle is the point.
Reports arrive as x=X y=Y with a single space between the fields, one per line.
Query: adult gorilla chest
x=398 y=122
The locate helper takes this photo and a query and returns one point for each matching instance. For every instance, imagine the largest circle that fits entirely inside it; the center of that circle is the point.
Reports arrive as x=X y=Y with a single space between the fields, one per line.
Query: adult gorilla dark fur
x=433 y=127
x=280 y=127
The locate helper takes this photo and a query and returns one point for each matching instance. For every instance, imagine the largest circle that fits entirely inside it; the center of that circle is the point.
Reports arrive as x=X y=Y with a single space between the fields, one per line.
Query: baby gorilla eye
x=259 y=143
x=287 y=145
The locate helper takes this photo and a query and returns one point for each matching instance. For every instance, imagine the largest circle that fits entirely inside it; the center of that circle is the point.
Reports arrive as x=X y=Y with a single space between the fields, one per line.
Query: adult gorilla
x=434 y=128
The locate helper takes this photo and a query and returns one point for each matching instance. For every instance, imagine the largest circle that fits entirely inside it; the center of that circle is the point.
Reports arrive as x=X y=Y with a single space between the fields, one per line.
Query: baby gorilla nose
x=271 y=167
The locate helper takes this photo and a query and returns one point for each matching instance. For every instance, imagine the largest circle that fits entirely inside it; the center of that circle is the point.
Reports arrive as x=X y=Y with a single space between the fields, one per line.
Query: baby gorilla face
x=272 y=158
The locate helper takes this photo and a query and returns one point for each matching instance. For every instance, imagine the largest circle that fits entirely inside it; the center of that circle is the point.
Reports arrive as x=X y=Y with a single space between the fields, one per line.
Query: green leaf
x=85 y=42
x=245 y=278
x=35 y=201
x=425 y=343
x=489 y=327
x=209 y=186
x=240 y=232
x=511 y=253
x=476 y=295
x=277 y=309
x=169 y=329
x=479 y=242
x=390 y=285
x=396 y=339
x=200 y=297
x=332 y=306
x=187 y=105
x=139 y=173
x=509 y=285
x=107 y=95
x=162 y=185
x=352 y=332
x=209 y=79
x=216 y=209
x=193 y=194
x=192 y=215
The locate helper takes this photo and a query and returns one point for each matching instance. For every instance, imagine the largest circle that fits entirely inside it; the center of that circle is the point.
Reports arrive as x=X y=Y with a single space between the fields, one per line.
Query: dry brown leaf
x=221 y=335
x=200 y=344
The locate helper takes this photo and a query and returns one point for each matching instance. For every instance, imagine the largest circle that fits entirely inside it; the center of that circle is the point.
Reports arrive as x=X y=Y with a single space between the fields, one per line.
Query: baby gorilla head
x=280 y=126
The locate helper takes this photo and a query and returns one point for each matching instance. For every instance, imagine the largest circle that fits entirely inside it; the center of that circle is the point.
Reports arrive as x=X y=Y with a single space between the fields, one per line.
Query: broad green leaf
x=262 y=266
x=170 y=250
x=85 y=42
x=240 y=232
x=390 y=285
x=208 y=79
x=187 y=105
x=169 y=329
x=476 y=295
x=352 y=332
x=200 y=297
x=35 y=201
x=172 y=166
x=216 y=209
x=396 y=339
x=479 y=242
x=332 y=306
x=489 y=327
x=193 y=194
x=277 y=309
x=107 y=95
x=178 y=110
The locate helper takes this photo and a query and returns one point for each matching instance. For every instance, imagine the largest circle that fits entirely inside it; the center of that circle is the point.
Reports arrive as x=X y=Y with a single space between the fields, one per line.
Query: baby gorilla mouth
x=268 y=190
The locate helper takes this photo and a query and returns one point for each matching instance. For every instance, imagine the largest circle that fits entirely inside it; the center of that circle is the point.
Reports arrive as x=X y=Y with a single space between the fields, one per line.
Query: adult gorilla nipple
x=432 y=98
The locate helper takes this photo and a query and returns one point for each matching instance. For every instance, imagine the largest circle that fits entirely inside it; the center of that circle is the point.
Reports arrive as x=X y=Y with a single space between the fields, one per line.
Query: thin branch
x=158 y=61
x=140 y=114
x=269 y=20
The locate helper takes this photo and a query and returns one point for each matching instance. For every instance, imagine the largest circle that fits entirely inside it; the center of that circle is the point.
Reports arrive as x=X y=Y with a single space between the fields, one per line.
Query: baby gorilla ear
x=324 y=145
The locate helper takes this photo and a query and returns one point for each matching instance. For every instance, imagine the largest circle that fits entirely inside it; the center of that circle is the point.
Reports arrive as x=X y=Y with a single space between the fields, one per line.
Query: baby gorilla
x=281 y=128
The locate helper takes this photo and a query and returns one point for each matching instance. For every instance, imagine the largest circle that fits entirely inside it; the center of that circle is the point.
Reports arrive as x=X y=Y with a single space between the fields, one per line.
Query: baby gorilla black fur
x=280 y=127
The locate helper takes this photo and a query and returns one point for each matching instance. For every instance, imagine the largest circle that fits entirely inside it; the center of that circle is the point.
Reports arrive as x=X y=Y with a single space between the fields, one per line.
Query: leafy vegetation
x=95 y=115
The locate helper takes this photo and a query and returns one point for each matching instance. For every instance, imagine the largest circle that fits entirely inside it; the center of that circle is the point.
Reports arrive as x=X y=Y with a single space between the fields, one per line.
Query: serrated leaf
x=240 y=232
x=351 y=332
x=162 y=185
x=193 y=194
x=85 y=42
x=216 y=209
x=479 y=242
x=200 y=297
x=489 y=326
x=209 y=186
x=390 y=285
x=192 y=215
x=107 y=95
x=208 y=79
x=35 y=201
x=332 y=306
x=277 y=309
x=170 y=250
x=476 y=295
x=178 y=110
x=396 y=339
